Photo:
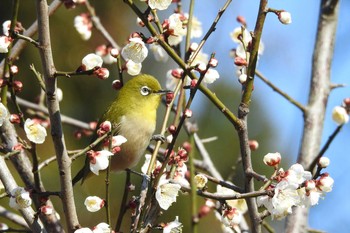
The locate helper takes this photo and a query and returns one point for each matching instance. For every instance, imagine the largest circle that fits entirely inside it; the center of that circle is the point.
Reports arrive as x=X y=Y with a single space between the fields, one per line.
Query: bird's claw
x=158 y=137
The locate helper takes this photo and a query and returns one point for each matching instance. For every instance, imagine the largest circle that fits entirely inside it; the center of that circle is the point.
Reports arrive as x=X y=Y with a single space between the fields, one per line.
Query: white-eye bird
x=133 y=112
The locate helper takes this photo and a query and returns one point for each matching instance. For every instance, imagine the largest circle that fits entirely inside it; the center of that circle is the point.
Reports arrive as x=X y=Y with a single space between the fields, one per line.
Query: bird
x=133 y=114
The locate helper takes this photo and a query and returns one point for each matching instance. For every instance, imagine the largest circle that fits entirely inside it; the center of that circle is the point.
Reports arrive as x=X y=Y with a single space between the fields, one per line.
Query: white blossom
x=6 y=27
x=99 y=161
x=102 y=228
x=166 y=193
x=173 y=227
x=241 y=35
x=340 y=115
x=94 y=203
x=325 y=183
x=159 y=4
x=146 y=164
x=91 y=61
x=59 y=94
x=83 y=230
x=133 y=68
x=4 y=44
x=200 y=180
x=20 y=198
x=211 y=76
x=135 y=50
x=4 y=114
x=35 y=132
x=3 y=227
x=158 y=52
x=83 y=25
x=324 y=162
x=297 y=175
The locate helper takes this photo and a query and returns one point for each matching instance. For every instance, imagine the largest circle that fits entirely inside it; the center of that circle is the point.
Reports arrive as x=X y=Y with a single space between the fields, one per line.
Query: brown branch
x=320 y=88
x=64 y=162
x=17 y=219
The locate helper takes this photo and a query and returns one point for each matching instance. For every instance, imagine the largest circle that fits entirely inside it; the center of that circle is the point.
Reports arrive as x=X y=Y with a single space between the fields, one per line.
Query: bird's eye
x=145 y=90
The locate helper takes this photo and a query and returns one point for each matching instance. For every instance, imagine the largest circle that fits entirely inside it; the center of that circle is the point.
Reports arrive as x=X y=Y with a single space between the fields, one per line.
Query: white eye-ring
x=145 y=90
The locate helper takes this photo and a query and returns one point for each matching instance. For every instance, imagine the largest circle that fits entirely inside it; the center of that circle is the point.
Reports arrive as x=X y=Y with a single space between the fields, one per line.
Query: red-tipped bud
x=172 y=129
x=46 y=209
x=114 y=52
x=104 y=128
x=18 y=146
x=101 y=73
x=117 y=84
x=116 y=149
x=92 y=125
x=150 y=40
x=346 y=102
x=194 y=83
x=177 y=73
x=240 y=61
x=135 y=35
x=213 y=62
x=204 y=210
x=18 y=86
x=169 y=97
x=240 y=19
x=187 y=146
x=253 y=145
x=183 y=154
x=3 y=82
x=15 y=119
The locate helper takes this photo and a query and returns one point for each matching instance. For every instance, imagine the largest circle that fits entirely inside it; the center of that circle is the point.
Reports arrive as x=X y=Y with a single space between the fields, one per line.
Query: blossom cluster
x=294 y=187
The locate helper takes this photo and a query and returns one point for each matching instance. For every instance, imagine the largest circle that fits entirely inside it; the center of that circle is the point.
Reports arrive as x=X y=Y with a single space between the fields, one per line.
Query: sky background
x=287 y=63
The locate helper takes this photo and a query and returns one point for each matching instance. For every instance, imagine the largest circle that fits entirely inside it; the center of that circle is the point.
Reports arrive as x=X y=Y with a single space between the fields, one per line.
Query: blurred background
x=276 y=124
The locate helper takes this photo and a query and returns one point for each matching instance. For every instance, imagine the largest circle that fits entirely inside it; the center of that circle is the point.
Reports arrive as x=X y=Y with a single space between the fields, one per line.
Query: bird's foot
x=158 y=137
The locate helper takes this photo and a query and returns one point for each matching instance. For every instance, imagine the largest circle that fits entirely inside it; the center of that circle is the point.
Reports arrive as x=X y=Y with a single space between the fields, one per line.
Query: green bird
x=133 y=113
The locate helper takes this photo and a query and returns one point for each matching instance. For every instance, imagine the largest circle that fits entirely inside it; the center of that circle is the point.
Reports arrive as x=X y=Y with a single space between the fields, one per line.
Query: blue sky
x=287 y=62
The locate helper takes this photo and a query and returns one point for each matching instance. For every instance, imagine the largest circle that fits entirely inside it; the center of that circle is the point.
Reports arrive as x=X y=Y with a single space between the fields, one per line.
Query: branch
x=17 y=219
x=320 y=88
x=63 y=159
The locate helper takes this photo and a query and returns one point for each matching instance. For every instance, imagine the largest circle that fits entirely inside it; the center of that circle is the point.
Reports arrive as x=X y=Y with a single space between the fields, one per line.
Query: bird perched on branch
x=133 y=115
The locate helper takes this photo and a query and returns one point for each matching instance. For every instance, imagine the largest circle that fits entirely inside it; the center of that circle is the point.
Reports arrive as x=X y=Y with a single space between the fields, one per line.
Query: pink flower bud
x=117 y=84
x=169 y=97
x=17 y=85
x=204 y=210
x=213 y=62
x=240 y=19
x=253 y=145
x=284 y=17
x=3 y=82
x=116 y=149
x=101 y=73
x=172 y=129
x=193 y=83
x=187 y=146
x=46 y=209
x=104 y=128
x=325 y=183
x=15 y=119
x=240 y=61
x=177 y=73
x=272 y=159
x=18 y=146
x=92 y=125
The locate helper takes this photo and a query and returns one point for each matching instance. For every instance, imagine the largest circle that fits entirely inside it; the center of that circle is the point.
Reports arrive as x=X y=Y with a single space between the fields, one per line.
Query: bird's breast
x=138 y=131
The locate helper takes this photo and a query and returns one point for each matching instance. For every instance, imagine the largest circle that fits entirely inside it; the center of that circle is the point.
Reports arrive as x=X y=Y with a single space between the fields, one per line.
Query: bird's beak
x=162 y=92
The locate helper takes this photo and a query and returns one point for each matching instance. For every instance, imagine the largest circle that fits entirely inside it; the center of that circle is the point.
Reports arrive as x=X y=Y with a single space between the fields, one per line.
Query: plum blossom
x=166 y=193
x=99 y=160
x=3 y=113
x=133 y=68
x=146 y=164
x=296 y=175
x=272 y=159
x=83 y=25
x=159 y=4
x=4 y=44
x=340 y=115
x=6 y=27
x=94 y=203
x=176 y=29
x=211 y=76
x=239 y=204
x=325 y=183
x=324 y=162
x=91 y=61
x=20 y=198
x=241 y=35
x=173 y=227
x=200 y=181
x=35 y=132
x=135 y=50
x=105 y=52
x=102 y=228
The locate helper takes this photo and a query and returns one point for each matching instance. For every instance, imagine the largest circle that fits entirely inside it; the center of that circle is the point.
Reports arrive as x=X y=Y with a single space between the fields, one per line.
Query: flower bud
x=240 y=19
x=188 y=113
x=92 y=125
x=242 y=78
x=14 y=69
x=46 y=209
x=172 y=129
x=15 y=119
x=213 y=62
x=310 y=185
x=340 y=115
x=272 y=159
x=169 y=97
x=253 y=145
x=104 y=128
x=101 y=73
x=193 y=83
x=325 y=183
x=193 y=46
x=17 y=85
x=3 y=82
x=177 y=73
x=117 y=84
x=323 y=162
x=204 y=210
x=18 y=146
x=346 y=102
x=284 y=17
x=239 y=61
x=114 y=52
x=201 y=67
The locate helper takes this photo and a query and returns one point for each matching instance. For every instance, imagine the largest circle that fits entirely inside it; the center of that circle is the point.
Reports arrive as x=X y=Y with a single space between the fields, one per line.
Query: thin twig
x=123 y=203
